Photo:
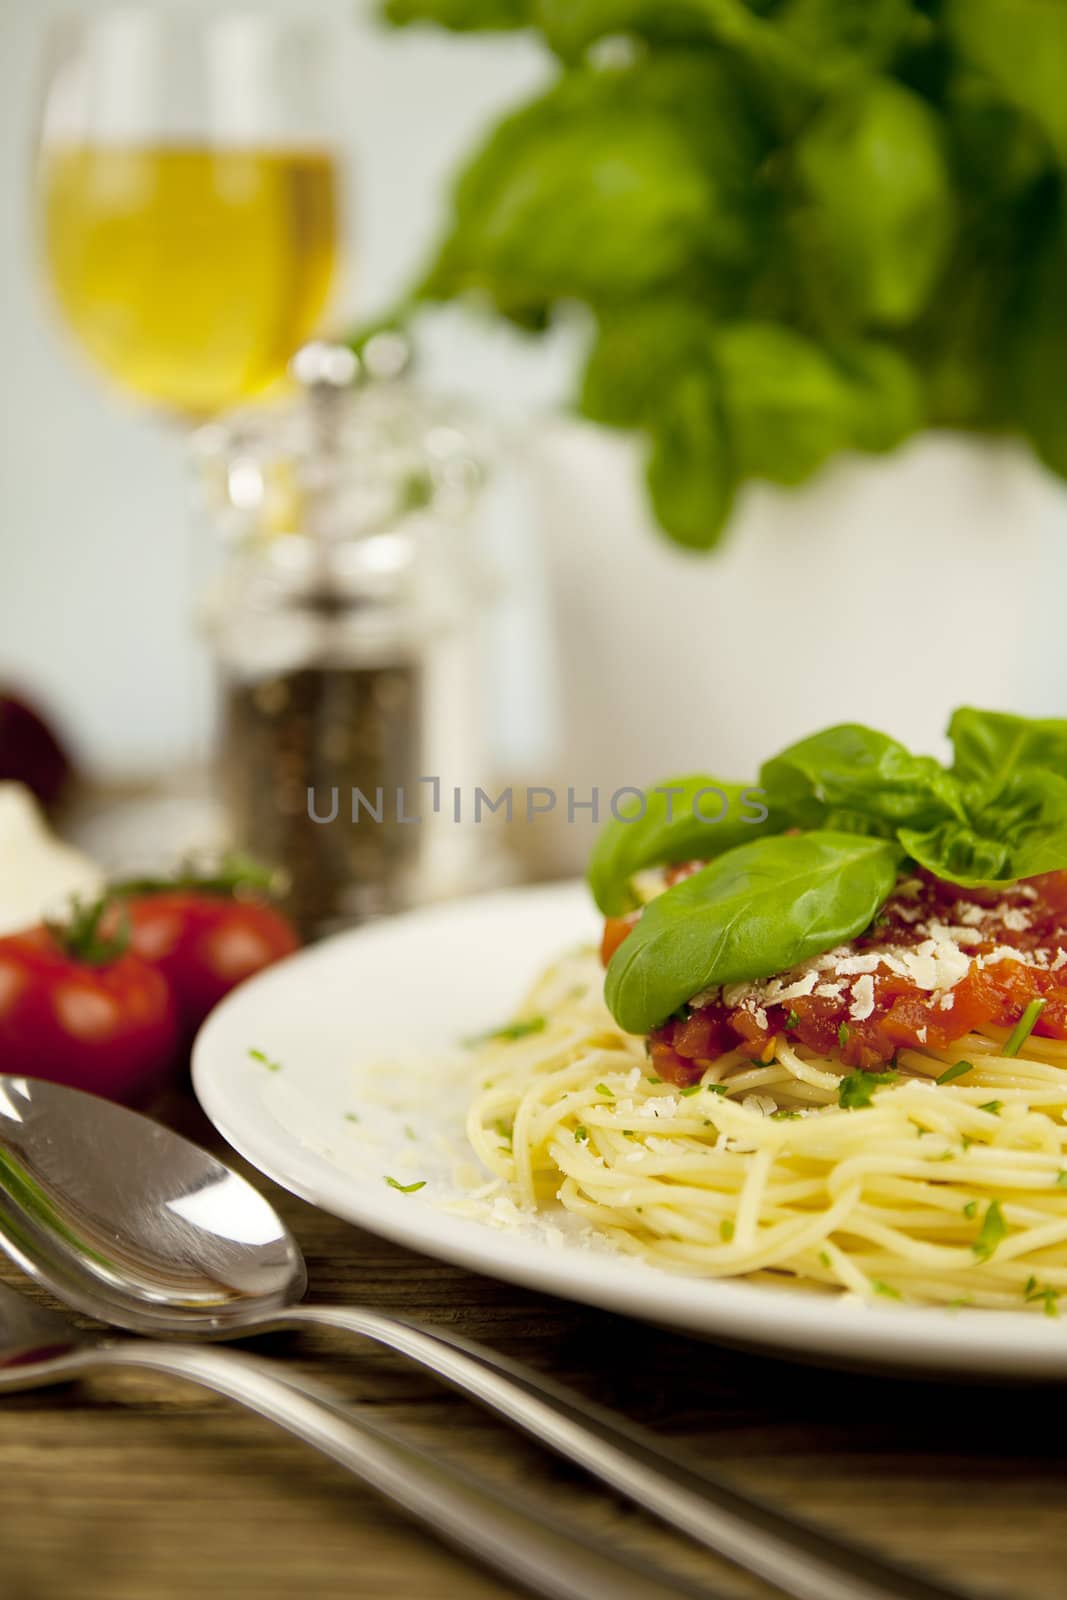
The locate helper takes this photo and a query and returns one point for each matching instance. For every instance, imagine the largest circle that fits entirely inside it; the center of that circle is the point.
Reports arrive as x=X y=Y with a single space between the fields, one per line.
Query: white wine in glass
x=189 y=199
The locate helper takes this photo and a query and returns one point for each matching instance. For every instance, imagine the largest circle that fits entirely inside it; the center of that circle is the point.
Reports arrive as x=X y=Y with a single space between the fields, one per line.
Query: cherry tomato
x=205 y=944
x=109 y=1026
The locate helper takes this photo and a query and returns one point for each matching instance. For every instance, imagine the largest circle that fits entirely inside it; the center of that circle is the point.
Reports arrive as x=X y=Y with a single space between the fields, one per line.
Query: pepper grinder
x=353 y=579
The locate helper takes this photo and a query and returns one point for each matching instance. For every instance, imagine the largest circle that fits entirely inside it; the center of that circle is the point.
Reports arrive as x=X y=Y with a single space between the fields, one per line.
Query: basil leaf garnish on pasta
x=851 y=768
x=990 y=746
x=1016 y=829
x=755 y=911
x=682 y=819
x=997 y=815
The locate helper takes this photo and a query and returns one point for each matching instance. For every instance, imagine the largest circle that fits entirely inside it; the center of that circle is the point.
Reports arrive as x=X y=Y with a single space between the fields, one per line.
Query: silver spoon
x=39 y=1347
x=133 y=1224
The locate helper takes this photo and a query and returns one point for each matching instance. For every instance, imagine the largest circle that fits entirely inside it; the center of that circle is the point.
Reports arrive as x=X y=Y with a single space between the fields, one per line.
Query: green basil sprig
x=992 y=746
x=998 y=814
x=864 y=806
x=755 y=911
x=683 y=819
x=1015 y=830
x=855 y=769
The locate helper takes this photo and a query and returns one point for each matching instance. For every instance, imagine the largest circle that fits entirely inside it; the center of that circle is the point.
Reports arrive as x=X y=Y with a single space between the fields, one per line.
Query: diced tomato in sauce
x=1030 y=917
x=616 y=930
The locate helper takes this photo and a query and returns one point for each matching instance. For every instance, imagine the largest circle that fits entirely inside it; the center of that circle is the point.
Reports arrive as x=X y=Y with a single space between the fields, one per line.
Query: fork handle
x=521 y=1541
x=793 y=1555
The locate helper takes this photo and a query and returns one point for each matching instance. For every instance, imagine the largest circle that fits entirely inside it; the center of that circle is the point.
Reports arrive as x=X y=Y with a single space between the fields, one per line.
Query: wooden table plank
x=127 y=1488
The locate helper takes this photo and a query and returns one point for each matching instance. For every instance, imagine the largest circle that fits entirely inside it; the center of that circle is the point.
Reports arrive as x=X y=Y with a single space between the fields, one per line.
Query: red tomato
x=205 y=944
x=110 y=1028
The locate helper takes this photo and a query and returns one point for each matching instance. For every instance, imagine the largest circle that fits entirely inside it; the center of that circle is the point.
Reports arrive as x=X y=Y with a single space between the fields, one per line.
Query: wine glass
x=188 y=191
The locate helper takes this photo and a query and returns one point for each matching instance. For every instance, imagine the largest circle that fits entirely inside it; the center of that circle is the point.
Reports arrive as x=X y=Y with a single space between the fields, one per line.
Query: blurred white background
x=97 y=568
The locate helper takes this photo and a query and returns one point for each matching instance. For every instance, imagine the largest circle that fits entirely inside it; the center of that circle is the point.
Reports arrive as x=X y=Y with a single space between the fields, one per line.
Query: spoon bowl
x=133 y=1224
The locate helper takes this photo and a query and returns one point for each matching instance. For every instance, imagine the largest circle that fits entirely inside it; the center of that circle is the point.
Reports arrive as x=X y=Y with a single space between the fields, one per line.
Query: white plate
x=340 y=1020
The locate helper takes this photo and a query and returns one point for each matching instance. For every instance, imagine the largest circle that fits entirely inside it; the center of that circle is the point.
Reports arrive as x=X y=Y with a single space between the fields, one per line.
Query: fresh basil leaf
x=1021 y=47
x=990 y=746
x=757 y=910
x=691 y=472
x=461 y=15
x=1040 y=350
x=640 y=354
x=854 y=769
x=1018 y=833
x=845 y=39
x=786 y=404
x=609 y=188
x=886 y=402
x=875 y=205
x=570 y=26
x=685 y=819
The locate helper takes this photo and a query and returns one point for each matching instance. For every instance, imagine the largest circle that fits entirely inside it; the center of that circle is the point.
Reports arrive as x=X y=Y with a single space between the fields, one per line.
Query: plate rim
x=908 y=1340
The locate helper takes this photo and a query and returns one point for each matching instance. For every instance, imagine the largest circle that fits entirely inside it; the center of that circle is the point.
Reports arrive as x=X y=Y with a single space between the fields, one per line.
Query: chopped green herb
x=581 y=1135
x=957 y=1070
x=792 y=1021
x=824 y=1259
x=350 y=1116
x=715 y=1088
x=857 y=1088
x=843 y=1035
x=991 y=1233
x=628 y=1133
x=971 y=1208
x=265 y=1060
x=885 y=1288
x=726 y=1230
x=510 y=1031
x=994 y=1107
x=966 y=1141
x=1030 y=1285
x=653 y=1079
x=1034 y=1292
x=409 y=1132
x=1024 y=1027
x=1061 y=1179
x=406 y=1188
x=784 y=1116
x=602 y=1088
x=694 y=1088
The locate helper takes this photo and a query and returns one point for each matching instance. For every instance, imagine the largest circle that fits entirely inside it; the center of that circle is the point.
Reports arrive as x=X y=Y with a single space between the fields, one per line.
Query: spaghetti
x=791 y=1166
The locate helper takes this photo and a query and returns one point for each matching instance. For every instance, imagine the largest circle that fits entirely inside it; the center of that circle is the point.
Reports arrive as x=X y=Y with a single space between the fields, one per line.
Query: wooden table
x=129 y=1488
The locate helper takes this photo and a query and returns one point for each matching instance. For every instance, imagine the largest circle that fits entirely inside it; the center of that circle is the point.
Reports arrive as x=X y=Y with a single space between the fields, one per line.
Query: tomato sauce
x=1010 y=945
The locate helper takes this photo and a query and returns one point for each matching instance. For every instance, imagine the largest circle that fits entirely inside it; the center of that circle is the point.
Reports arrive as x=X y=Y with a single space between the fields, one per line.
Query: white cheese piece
x=38 y=873
x=862 y=998
x=854 y=964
